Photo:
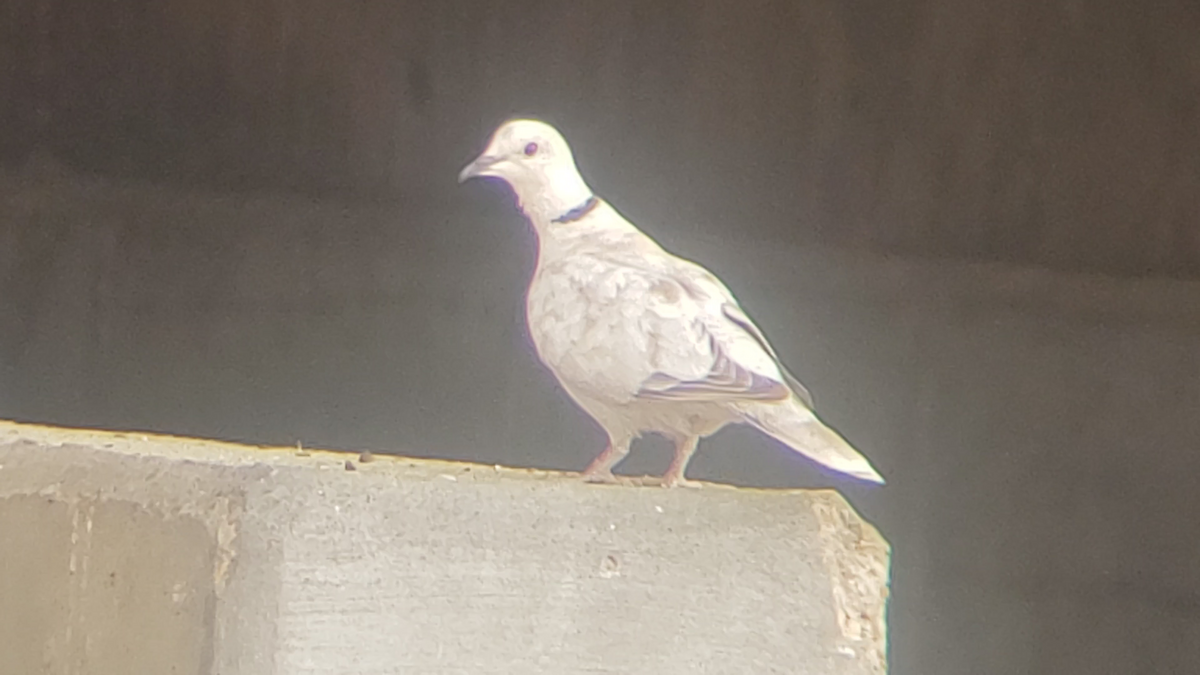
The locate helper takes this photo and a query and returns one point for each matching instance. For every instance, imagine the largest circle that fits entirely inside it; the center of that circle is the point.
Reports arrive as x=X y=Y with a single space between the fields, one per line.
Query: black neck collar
x=578 y=212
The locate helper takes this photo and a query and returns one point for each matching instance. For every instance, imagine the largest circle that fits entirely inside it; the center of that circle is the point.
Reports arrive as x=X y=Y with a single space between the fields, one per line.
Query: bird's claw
x=600 y=477
x=680 y=481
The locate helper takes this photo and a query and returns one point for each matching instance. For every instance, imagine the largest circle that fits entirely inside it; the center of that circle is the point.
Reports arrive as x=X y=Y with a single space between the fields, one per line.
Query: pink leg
x=600 y=470
x=685 y=447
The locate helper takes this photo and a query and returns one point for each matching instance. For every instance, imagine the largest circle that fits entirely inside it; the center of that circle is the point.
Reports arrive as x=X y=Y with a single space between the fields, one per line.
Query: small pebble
x=366 y=456
x=350 y=466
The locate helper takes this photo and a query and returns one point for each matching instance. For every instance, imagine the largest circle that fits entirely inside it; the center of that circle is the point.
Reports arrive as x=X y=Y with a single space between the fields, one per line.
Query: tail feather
x=798 y=427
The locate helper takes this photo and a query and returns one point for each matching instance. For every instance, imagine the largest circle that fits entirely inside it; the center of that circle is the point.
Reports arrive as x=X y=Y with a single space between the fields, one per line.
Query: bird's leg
x=600 y=470
x=685 y=447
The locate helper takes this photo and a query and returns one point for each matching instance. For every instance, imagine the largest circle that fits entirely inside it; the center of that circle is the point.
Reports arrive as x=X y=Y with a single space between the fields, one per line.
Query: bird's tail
x=800 y=429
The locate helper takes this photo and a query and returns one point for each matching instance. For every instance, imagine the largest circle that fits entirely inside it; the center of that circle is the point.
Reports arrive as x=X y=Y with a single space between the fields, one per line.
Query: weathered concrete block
x=124 y=553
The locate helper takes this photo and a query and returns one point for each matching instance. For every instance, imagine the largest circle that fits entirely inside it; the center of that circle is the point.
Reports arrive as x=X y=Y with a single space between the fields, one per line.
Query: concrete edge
x=216 y=482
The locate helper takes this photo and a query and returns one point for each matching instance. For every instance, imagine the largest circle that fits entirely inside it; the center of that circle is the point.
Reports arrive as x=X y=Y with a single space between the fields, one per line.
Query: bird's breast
x=589 y=328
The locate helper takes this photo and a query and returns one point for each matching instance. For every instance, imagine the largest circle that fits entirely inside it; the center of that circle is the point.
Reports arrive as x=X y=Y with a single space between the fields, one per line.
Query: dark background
x=970 y=227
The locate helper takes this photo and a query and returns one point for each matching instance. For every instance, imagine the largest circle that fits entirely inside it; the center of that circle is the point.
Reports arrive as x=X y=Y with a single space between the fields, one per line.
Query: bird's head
x=534 y=159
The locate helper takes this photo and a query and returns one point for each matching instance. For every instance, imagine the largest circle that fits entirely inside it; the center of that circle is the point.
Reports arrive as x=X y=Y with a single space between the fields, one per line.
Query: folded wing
x=725 y=380
x=742 y=366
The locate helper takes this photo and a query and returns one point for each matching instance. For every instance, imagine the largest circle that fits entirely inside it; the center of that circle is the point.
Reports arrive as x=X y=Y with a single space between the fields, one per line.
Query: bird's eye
x=531 y=149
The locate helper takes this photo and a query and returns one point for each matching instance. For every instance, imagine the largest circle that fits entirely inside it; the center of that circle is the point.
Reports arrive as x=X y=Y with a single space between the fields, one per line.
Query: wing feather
x=736 y=315
x=726 y=378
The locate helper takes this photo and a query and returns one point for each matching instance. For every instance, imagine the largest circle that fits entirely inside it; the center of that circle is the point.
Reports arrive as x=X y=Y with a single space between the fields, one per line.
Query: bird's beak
x=477 y=168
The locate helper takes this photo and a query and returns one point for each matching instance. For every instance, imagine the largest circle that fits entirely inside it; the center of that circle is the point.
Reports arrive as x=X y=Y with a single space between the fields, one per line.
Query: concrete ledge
x=124 y=553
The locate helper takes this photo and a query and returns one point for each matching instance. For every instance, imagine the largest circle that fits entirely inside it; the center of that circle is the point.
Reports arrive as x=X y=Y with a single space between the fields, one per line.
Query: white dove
x=642 y=340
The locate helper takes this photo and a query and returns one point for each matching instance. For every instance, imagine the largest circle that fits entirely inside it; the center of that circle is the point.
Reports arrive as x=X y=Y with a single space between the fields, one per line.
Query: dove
x=642 y=340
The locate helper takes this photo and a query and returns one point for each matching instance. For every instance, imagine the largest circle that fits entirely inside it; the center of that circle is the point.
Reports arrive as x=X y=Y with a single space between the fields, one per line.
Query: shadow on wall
x=1021 y=131
x=1036 y=430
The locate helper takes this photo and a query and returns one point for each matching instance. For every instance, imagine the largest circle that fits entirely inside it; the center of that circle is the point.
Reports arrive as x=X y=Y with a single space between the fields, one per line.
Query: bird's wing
x=740 y=363
x=725 y=380
x=737 y=316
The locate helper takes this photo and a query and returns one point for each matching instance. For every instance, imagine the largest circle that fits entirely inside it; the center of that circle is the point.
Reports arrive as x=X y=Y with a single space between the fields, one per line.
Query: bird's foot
x=674 y=481
x=600 y=477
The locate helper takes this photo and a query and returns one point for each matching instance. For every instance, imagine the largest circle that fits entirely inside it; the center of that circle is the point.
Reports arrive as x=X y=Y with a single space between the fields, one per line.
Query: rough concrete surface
x=126 y=553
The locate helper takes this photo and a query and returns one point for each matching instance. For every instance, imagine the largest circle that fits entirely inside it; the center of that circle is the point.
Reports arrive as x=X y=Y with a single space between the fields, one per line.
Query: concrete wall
x=1037 y=430
x=124 y=553
x=1062 y=134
